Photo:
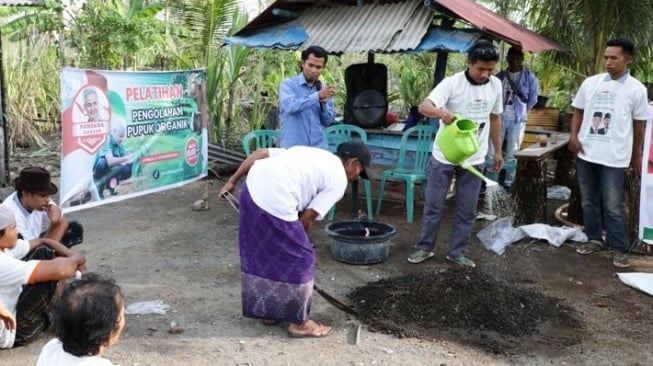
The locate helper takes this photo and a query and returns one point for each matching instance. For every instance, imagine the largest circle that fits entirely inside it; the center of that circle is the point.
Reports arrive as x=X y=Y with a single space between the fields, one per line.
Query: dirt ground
x=158 y=248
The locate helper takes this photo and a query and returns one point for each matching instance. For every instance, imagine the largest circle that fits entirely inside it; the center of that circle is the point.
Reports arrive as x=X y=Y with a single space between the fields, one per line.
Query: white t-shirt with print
x=15 y=274
x=457 y=95
x=53 y=354
x=625 y=100
x=292 y=180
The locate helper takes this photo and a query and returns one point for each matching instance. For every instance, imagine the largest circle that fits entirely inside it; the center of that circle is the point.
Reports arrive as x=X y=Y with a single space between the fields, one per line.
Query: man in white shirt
x=285 y=192
x=36 y=214
x=27 y=287
x=603 y=155
x=474 y=94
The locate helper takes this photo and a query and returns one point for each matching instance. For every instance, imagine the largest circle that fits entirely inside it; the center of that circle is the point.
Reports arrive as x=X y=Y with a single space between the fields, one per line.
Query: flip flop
x=269 y=322
x=317 y=332
x=591 y=247
x=419 y=256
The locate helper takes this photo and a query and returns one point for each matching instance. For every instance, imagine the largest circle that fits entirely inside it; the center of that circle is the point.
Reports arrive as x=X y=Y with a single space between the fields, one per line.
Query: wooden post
x=530 y=192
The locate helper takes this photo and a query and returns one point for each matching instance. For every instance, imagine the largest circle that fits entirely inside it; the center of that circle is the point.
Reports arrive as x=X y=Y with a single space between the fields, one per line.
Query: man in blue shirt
x=520 y=89
x=305 y=105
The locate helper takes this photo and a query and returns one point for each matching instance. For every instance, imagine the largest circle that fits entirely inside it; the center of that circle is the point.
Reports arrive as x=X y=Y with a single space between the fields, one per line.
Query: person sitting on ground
x=112 y=163
x=34 y=209
x=88 y=319
x=28 y=287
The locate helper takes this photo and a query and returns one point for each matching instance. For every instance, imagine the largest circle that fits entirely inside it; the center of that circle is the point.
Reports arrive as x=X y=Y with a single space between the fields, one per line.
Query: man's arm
x=242 y=170
x=495 y=140
x=328 y=114
x=58 y=268
x=638 y=146
x=117 y=160
x=7 y=318
x=576 y=120
x=291 y=103
x=533 y=90
x=58 y=222
x=59 y=249
x=429 y=109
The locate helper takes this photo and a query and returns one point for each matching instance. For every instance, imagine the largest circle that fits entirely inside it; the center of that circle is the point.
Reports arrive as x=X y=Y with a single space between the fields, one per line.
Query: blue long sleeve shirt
x=301 y=117
x=529 y=85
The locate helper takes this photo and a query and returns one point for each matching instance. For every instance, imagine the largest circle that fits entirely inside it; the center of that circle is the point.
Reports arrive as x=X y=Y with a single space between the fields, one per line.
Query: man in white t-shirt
x=474 y=94
x=27 y=287
x=36 y=214
x=604 y=154
x=285 y=192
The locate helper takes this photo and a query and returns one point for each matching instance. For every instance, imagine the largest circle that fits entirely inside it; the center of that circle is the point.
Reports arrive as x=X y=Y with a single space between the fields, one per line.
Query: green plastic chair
x=335 y=135
x=260 y=138
x=410 y=173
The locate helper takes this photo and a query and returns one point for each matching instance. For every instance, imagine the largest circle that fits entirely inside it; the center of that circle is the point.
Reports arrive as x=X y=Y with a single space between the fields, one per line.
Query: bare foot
x=310 y=329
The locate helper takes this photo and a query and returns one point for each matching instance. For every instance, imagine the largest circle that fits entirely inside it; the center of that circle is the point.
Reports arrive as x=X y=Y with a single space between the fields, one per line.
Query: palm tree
x=584 y=26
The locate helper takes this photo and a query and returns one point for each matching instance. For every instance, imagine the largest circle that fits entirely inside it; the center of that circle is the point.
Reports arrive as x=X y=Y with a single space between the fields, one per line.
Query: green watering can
x=457 y=141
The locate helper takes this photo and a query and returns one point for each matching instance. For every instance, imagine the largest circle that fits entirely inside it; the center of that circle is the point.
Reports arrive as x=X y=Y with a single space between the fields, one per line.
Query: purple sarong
x=277 y=264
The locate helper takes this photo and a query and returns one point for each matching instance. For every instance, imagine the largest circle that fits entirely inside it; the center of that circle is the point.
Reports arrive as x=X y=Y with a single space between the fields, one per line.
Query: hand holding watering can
x=457 y=141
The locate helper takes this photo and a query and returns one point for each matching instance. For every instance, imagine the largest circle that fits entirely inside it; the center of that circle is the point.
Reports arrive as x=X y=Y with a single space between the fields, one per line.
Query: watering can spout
x=488 y=182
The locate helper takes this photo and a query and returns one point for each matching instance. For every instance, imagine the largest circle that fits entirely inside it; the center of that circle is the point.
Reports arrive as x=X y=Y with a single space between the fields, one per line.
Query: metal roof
x=496 y=25
x=22 y=3
x=384 y=25
x=374 y=28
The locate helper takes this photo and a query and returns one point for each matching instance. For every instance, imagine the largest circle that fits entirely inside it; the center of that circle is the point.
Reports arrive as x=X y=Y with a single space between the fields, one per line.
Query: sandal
x=269 y=322
x=420 y=256
x=621 y=260
x=463 y=260
x=319 y=331
x=592 y=247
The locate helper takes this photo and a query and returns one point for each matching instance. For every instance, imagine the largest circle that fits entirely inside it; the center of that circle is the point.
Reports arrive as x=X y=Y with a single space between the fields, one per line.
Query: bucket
x=457 y=141
x=349 y=243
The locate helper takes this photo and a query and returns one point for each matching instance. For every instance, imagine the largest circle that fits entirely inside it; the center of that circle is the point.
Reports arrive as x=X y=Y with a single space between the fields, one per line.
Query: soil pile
x=426 y=305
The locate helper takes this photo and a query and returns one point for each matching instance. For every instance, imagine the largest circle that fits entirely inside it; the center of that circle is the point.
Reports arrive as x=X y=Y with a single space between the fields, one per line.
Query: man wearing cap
x=286 y=190
x=27 y=287
x=34 y=209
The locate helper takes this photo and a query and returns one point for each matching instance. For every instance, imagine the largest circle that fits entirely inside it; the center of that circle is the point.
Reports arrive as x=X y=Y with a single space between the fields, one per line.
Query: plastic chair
x=260 y=138
x=335 y=135
x=410 y=173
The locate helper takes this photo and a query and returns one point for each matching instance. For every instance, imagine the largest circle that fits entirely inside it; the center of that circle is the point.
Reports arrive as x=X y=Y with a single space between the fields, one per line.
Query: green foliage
x=104 y=34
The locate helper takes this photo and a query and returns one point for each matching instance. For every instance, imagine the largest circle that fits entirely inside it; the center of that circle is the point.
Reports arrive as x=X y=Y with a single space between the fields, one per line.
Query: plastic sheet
x=147 y=307
x=639 y=280
x=498 y=235
x=558 y=193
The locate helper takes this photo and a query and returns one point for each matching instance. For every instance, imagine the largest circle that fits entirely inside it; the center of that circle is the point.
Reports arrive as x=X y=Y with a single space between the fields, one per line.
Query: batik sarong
x=277 y=264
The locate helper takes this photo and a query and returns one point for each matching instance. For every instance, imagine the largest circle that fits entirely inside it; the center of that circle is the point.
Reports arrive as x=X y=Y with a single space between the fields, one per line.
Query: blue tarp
x=286 y=36
x=452 y=40
x=291 y=35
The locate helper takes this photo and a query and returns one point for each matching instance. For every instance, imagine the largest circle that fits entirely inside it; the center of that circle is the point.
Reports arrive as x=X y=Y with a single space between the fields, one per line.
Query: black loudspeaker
x=367 y=95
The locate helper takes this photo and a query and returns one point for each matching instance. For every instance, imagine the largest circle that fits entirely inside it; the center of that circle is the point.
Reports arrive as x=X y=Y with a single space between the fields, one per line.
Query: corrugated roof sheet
x=22 y=3
x=376 y=28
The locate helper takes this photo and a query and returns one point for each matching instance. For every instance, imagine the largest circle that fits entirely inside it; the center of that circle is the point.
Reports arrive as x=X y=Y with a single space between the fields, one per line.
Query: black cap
x=356 y=149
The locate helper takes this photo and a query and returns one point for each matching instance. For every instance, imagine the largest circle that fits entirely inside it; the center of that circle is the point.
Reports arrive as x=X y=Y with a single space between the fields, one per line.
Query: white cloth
x=29 y=224
x=625 y=100
x=53 y=354
x=15 y=273
x=457 y=95
x=292 y=180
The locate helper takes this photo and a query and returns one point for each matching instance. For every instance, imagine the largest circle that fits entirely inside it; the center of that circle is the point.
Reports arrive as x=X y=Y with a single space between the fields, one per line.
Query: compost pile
x=426 y=304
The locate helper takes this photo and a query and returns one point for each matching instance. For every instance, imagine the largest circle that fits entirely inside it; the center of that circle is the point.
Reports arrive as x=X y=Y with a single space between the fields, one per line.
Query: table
x=529 y=188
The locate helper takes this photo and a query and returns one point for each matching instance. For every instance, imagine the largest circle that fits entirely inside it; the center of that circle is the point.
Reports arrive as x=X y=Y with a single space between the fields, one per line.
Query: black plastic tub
x=349 y=243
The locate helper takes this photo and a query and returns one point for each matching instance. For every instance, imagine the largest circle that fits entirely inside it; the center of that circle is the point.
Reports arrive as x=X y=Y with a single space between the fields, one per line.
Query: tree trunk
x=530 y=192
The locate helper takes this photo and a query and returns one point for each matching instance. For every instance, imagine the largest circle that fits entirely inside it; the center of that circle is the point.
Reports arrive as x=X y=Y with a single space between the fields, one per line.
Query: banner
x=646 y=196
x=126 y=134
